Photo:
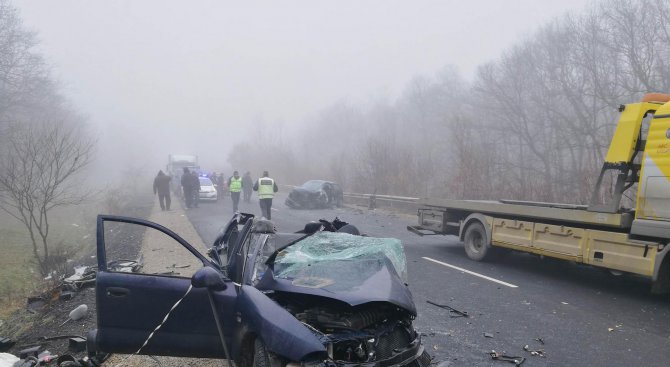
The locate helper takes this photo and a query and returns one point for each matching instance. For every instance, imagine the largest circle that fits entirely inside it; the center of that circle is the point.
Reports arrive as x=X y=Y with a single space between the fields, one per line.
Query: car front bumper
x=211 y=195
x=414 y=355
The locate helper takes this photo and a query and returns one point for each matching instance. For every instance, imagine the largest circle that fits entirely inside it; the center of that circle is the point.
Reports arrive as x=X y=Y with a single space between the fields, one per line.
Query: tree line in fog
x=44 y=143
x=533 y=124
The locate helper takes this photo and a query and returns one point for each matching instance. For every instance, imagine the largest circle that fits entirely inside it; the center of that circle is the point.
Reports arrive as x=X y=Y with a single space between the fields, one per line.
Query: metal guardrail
x=382 y=197
x=401 y=203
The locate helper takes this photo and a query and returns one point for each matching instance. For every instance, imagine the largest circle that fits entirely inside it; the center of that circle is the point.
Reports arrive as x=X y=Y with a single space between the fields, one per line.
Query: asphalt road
x=584 y=315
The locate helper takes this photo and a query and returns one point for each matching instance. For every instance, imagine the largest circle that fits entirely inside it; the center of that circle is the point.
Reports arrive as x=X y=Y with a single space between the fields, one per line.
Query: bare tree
x=25 y=84
x=39 y=166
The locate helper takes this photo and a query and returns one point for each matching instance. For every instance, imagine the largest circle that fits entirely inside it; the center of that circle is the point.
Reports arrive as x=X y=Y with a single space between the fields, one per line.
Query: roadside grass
x=16 y=270
x=72 y=236
x=72 y=241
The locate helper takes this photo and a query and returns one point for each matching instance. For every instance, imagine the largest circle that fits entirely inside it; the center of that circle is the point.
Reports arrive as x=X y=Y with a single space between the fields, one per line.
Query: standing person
x=162 y=188
x=219 y=186
x=187 y=187
x=266 y=188
x=247 y=185
x=195 y=188
x=224 y=187
x=235 y=186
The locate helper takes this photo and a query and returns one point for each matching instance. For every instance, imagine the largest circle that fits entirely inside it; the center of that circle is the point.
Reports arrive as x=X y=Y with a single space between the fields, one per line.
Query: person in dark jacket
x=195 y=188
x=187 y=186
x=162 y=188
x=247 y=185
x=220 y=185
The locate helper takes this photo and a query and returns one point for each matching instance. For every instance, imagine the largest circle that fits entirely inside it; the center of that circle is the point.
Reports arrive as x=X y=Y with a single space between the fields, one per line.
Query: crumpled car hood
x=348 y=268
x=302 y=191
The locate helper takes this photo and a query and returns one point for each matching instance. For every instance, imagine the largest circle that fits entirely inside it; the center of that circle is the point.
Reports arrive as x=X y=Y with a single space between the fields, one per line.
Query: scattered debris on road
x=615 y=328
x=63 y=289
x=35 y=358
x=126 y=266
x=451 y=310
x=497 y=356
x=175 y=266
x=77 y=314
x=30 y=352
x=83 y=276
x=7 y=359
x=488 y=335
x=539 y=352
x=5 y=344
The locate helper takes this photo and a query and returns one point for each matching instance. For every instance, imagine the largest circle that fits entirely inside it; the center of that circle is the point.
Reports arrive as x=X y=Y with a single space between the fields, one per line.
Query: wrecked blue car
x=323 y=296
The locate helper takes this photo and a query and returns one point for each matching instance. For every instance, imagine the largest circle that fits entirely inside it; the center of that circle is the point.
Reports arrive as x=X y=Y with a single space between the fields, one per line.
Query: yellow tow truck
x=603 y=233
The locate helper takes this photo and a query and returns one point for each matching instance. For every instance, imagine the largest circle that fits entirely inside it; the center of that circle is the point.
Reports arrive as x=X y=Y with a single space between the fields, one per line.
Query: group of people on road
x=218 y=180
x=190 y=183
x=237 y=186
x=240 y=186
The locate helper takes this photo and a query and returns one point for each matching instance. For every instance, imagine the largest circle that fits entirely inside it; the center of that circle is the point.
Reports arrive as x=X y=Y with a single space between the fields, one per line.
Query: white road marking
x=472 y=273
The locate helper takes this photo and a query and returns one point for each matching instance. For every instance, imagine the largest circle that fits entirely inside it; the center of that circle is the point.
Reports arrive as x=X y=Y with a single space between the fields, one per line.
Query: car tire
x=261 y=355
x=476 y=243
x=322 y=200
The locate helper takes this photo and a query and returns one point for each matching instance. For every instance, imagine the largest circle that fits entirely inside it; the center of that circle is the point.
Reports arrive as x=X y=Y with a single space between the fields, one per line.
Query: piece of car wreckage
x=323 y=296
x=315 y=194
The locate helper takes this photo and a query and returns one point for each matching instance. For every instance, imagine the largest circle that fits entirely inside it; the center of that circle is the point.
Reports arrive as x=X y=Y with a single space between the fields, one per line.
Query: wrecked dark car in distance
x=315 y=194
x=323 y=296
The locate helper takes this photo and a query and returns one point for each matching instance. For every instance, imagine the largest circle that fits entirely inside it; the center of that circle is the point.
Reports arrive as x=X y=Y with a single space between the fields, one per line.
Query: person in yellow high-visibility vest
x=266 y=188
x=235 y=187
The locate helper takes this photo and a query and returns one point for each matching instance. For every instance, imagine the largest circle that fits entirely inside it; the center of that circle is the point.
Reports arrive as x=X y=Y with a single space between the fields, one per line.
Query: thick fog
x=161 y=77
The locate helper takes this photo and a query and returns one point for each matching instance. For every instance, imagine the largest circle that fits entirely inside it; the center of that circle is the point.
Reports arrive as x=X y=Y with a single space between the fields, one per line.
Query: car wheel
x=476 y=242
x=323 y=200
x=261 y=356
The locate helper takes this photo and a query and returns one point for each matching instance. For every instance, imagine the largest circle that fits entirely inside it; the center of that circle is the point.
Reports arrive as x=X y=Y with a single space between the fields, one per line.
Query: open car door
x=132 y=305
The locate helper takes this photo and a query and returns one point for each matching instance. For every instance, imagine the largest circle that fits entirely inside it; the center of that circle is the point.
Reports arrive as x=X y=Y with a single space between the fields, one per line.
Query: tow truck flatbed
x=575 y=214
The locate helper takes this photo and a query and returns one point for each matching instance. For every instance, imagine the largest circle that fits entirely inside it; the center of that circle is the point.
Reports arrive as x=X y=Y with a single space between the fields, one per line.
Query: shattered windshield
x=338 y=261
x=312 y=185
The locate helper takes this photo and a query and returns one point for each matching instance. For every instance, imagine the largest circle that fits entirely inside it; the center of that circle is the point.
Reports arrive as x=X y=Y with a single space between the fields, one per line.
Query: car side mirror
x=209 y=278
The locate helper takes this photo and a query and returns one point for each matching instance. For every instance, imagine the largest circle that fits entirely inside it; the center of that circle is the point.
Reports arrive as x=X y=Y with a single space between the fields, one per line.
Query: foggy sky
x=194 y=77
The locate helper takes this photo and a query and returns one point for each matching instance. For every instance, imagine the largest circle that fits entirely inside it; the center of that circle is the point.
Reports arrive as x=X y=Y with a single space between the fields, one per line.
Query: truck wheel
x=475 y=242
